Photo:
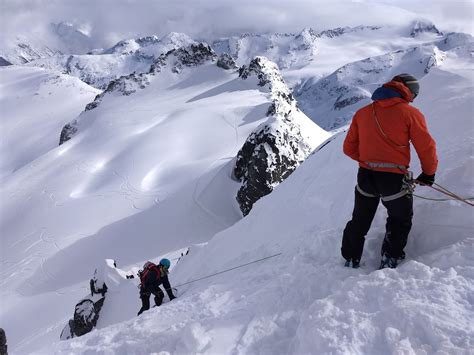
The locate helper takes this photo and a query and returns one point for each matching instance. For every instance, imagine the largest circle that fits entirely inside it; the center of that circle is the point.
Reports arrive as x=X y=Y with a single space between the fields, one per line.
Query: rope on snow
x=227 y=270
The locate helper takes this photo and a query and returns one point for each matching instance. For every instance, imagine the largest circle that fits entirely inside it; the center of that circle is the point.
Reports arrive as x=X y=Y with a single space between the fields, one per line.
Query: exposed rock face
x=86 y=311
x=4 y=62
x=3 y=343
x=420 y=27
x=225 y=61
x=339 y=31
x=68 y=131
x=276 y=148
x=175 y=59
x=21 y=50
x=195 y=54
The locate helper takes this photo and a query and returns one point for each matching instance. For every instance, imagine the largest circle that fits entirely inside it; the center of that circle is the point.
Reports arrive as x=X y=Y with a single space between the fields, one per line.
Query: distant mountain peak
x=423 y=26
x=339 y=31
x=65 y=28
x=150 y=45
x=176 y=37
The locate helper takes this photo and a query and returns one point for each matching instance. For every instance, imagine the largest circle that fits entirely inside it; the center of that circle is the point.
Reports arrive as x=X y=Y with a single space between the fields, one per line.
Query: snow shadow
x=228 y=87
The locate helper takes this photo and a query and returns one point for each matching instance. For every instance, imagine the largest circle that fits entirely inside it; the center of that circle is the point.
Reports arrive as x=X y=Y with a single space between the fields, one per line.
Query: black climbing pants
x=400 y=213
x=145 y=297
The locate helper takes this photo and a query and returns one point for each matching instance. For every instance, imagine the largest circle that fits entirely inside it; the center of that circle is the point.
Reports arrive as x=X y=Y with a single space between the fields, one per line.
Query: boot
x=388 y=262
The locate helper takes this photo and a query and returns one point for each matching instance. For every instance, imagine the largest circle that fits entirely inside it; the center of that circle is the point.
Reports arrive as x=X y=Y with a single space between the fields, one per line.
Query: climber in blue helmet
x=151 y=277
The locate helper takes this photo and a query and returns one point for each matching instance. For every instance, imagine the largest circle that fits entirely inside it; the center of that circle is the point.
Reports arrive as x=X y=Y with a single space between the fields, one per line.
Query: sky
x=109 y=21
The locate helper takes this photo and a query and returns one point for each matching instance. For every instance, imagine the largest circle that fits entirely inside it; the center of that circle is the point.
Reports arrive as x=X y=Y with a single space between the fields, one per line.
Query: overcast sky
x=111 y=20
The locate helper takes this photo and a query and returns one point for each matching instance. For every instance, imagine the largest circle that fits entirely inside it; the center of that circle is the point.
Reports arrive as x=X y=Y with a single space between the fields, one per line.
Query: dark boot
x=388 y=262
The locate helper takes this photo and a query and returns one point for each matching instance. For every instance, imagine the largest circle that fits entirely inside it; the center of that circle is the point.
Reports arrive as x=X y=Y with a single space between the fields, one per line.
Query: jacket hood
x=399 y=87
x=383 y=93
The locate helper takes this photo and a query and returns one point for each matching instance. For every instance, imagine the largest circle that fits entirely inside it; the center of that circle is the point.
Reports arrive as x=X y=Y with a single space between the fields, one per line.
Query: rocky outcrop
x=421 y=26
x=175 y=59
x=4 y=62
x=276 y=148
x=68 y=131
x=226 y=62
x=87 y=310
x=339 y=31
x=3 y=343
x=305 y=40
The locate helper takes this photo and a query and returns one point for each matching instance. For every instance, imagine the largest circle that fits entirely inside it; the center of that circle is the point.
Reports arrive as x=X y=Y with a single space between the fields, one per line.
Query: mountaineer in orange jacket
x=379 y=139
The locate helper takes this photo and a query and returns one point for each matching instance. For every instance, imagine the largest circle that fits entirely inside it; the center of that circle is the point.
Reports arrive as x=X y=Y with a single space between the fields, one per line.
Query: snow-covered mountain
x=332 y=100
x=168 y=151
x=58 y=38
x=126 y=57
x=25 y=49
x=70 y=39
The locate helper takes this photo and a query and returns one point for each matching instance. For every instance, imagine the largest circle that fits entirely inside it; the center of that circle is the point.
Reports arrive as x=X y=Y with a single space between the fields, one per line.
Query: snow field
x=150 y=174
x=305 y=301
x=139 y=167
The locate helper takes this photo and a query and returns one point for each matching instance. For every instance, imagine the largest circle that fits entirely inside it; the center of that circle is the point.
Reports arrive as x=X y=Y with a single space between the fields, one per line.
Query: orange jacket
x=401 y=123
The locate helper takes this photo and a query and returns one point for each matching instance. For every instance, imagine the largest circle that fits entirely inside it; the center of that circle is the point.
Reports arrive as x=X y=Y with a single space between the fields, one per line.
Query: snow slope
x=304 y=301
x=34 y=105
x=148 y=172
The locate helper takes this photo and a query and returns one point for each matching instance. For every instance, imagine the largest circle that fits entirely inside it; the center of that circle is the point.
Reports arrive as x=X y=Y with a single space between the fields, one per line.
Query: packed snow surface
x=149 y=175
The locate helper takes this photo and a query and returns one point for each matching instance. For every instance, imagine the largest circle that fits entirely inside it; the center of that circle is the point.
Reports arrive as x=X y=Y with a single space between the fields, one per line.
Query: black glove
x=424 y=179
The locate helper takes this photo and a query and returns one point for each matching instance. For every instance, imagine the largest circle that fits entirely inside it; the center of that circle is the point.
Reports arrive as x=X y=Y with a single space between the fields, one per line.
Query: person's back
x=379 y=139
x=382 y=131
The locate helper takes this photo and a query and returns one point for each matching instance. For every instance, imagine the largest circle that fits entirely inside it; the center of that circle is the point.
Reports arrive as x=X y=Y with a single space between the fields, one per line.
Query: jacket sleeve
x=424 y=144
x=351 y=143
x=167 y=286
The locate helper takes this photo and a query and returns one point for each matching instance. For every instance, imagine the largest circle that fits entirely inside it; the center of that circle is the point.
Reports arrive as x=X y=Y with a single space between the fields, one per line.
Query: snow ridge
x=175 y=59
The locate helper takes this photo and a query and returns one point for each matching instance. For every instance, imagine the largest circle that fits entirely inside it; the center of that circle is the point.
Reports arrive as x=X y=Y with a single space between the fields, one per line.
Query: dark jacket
x=153 y=277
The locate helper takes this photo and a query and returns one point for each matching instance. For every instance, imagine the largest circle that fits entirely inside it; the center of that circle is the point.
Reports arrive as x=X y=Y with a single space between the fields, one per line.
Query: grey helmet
x=410 y=82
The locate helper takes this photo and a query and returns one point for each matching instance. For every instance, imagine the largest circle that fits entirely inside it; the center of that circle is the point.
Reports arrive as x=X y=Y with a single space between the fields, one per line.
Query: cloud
x=111 y=20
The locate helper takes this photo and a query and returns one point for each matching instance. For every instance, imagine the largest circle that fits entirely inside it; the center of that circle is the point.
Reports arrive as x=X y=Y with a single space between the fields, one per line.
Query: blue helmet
x=165 y=262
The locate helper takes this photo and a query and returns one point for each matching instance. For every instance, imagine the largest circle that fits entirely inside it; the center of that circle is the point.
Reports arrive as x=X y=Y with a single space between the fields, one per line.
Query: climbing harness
x=408 y=186
x=372 y=165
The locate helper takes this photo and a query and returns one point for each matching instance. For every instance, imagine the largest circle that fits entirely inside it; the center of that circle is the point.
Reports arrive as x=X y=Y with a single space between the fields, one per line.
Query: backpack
x=149 y=266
